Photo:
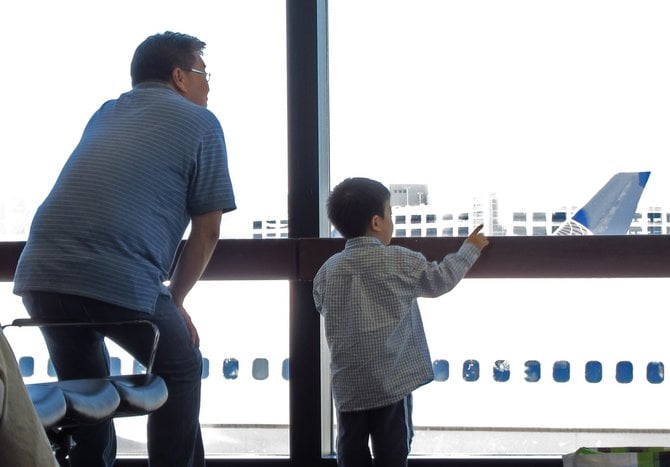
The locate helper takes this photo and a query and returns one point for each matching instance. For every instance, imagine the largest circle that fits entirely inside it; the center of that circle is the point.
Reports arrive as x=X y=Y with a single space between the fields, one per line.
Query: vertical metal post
x=308 y=184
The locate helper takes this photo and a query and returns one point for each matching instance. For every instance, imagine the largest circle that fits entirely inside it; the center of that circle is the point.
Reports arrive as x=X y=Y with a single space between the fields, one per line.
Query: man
x=103 y=242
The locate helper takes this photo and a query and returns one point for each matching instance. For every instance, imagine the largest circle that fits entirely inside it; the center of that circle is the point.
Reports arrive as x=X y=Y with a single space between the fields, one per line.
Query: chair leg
x=61 y=443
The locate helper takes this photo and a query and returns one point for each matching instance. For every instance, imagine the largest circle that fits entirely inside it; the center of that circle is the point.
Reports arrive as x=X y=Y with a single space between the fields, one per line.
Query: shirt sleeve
x=440 y=277
x=211 y=188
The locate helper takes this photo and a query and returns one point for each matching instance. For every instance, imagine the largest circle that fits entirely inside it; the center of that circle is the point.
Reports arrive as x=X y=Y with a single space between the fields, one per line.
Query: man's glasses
x=200 y=72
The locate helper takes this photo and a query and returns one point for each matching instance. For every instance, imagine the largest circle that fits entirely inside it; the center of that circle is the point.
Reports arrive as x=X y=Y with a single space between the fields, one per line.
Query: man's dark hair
x=158 y=55
x=353 y=203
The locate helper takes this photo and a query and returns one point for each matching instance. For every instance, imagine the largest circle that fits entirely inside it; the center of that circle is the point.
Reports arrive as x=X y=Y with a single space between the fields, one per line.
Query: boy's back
x=367 y=295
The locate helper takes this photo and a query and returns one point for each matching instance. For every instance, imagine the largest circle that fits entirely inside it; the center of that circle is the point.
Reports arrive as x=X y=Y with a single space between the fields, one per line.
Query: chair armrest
x=26 y=322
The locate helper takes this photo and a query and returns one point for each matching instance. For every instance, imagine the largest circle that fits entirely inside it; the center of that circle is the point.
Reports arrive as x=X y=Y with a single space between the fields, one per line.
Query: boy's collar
x=363 y=240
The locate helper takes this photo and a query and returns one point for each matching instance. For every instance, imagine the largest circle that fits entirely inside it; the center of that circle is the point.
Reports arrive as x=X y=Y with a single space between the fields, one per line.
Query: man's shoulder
x=162 y=95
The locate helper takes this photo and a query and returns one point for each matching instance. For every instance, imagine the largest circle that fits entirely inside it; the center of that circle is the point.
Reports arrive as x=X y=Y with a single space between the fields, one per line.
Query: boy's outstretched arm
x=477 y=239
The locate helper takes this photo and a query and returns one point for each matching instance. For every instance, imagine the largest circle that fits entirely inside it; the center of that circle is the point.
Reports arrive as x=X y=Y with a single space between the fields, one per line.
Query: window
x=239 y=87
x=490 y=86
x=654 y=217
x=519 y=230
x=557 y=359
x=558 y=217
x=249 y=98
x=471 y=65
x=243 y=328
x=596 y=134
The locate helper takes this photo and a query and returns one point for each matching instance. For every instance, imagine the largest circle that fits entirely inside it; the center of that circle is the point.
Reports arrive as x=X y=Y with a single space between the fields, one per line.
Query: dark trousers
x=173 y=431
x=388 y=429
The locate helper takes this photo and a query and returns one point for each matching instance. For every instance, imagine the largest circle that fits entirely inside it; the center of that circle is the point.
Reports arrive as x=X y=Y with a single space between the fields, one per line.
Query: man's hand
x=195 y=338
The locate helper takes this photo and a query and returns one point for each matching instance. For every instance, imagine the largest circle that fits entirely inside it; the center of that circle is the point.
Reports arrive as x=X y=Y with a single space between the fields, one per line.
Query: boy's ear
x=376 y=223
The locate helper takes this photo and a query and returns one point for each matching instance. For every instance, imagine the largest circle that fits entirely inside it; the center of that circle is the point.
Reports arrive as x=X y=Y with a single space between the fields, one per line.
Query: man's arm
x=193 y=260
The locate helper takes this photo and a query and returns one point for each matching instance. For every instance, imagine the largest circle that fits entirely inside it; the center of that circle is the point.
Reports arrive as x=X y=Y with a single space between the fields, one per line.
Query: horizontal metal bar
x=506 y=257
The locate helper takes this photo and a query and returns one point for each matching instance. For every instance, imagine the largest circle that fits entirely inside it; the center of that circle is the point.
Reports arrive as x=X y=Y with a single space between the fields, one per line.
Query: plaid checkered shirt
x=367 y=295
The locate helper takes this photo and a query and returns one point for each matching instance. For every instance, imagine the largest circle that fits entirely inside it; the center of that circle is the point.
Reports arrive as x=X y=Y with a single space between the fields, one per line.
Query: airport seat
x=64 y=405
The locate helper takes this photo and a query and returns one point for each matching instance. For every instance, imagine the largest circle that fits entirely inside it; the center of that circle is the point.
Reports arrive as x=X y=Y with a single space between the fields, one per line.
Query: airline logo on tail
x=611 y=210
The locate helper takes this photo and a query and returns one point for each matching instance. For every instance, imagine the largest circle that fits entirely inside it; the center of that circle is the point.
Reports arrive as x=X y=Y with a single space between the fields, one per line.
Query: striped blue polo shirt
x=109 y=229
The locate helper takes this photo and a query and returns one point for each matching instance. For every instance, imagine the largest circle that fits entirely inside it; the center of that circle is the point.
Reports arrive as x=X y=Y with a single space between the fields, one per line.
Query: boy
x=367 y=295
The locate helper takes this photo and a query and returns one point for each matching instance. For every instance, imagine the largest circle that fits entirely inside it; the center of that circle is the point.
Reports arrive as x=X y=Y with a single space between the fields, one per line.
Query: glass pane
x=562 y=362
x=543 y=367
x=244 y=332
x=515 y=113
x=243 y=328
x=73 y=56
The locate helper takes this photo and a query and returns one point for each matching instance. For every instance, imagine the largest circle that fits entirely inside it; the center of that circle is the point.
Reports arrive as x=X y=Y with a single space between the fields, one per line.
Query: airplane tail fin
x=611 y=210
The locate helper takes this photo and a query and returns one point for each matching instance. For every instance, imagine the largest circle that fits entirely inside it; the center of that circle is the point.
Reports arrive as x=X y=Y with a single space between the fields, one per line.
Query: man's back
x=109 y=229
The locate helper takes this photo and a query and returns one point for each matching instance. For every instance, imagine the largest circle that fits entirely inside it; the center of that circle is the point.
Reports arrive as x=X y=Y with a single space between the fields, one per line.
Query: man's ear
x=178 y=76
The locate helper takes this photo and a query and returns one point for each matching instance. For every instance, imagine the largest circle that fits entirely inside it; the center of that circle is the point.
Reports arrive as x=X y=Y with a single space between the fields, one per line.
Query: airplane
x=611 y=210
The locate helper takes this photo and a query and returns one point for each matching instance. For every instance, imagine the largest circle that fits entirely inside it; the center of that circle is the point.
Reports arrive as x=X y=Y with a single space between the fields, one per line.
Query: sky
x=538 y=101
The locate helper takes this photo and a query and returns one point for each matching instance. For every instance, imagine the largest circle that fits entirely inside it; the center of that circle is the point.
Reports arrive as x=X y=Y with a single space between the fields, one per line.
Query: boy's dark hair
x=158 y=55
x=353 y=203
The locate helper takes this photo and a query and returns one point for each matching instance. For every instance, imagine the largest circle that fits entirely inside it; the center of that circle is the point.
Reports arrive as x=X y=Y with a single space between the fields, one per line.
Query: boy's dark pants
x=389 y=428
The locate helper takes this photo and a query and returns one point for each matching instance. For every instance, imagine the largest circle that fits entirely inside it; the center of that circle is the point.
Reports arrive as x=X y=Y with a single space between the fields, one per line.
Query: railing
x=506 y=257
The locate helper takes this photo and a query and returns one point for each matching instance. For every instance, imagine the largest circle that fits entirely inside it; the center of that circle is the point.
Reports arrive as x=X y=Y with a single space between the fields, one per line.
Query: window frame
x=297 y=258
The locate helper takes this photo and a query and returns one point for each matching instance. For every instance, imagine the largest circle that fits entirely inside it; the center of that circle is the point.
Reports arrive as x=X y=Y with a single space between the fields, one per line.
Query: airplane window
x=441 y=369
x=655 y=372
x=593 y=372
x=27 y=366
x=51 y=371
x=205 y=368
x=562 y=371
x=471 y=370
x=231 y=368
x=285 y=369
x=260 y=368
x=624 y=372
x=532 y=371
x=115 y=366
x=138 y=368
x=501 y=371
